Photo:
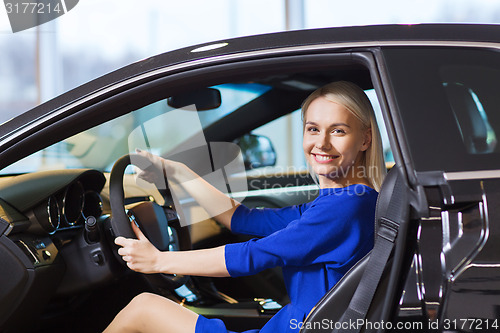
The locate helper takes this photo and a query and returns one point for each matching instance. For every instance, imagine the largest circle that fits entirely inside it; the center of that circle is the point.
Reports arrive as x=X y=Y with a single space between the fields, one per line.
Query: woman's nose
x=323 y=142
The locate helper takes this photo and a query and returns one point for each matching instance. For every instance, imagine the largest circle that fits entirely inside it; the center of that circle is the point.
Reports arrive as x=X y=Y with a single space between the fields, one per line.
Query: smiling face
x=334 y=142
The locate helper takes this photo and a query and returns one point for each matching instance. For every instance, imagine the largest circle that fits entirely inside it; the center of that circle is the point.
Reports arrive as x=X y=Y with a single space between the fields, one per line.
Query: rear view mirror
x=204 y=99
x=257 y=151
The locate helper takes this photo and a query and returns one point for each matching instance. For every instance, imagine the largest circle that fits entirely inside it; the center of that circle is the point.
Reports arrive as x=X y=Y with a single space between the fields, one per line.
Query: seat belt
x=386 y=234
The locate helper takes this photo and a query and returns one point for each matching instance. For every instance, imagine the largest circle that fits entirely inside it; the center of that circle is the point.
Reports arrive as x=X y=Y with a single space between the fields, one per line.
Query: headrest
x=473 y=126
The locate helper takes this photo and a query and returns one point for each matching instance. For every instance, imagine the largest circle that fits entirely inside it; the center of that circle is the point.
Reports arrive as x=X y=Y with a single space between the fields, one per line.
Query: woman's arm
x=142 y=256
x=217 y=204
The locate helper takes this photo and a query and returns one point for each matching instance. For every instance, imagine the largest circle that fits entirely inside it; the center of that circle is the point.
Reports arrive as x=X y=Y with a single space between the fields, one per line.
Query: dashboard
x=44 y=202
x=45 y=250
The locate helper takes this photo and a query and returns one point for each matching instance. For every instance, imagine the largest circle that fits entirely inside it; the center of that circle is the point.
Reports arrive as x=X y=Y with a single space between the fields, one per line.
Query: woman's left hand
x=139 y=254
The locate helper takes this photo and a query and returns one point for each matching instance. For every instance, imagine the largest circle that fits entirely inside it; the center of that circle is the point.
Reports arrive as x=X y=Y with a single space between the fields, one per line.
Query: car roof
x=367 y=36
x=373 y=35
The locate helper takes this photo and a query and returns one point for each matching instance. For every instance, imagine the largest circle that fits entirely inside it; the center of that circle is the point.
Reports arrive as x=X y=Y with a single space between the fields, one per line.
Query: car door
x=91 y=127
x=444 y=99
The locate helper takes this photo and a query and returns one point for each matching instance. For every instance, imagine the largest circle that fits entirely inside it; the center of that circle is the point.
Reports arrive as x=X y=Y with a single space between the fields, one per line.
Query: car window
x=166 y=129
x=285 y=133
x=448 y=101
x=478 y=136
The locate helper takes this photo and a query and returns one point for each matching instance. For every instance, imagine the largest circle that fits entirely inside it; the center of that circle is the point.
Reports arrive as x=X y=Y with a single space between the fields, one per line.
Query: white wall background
x=98 y=36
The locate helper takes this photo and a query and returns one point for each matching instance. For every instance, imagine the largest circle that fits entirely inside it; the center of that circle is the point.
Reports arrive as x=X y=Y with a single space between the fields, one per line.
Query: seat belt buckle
x=388 y=229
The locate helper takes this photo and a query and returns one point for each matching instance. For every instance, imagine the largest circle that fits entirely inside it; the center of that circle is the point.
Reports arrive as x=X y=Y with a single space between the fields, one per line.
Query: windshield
x=99 y=147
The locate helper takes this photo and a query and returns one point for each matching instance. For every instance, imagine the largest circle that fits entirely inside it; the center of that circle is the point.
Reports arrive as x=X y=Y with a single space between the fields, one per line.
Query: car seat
x=392 y=201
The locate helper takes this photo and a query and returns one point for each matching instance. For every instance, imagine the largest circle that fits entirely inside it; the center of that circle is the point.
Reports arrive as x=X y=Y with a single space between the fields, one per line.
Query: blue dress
x=315 y=244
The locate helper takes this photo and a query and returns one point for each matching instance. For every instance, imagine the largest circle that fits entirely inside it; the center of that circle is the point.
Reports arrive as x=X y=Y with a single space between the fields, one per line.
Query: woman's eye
x=338 y=131
x=312 y=129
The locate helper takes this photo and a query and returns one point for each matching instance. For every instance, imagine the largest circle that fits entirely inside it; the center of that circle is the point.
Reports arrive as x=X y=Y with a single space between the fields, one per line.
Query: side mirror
x=204 y=99
x=257 y=151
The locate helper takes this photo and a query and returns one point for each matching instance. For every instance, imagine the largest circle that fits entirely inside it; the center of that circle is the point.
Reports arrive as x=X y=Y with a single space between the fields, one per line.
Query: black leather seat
x=333 y=305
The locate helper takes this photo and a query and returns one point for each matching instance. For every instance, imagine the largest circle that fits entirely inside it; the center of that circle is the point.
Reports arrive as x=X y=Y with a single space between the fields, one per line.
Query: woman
x=315 y=243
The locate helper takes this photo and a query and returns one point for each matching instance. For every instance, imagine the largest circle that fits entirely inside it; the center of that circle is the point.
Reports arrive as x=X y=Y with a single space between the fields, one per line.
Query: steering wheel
x=156 y=224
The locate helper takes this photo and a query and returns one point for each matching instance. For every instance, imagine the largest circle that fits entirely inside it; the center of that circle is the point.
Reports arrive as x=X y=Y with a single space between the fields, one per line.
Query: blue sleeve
x=263 y=222
x=333 y=229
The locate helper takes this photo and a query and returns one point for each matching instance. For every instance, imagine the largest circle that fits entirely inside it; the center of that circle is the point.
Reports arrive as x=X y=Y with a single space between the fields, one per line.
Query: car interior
x=65 y=200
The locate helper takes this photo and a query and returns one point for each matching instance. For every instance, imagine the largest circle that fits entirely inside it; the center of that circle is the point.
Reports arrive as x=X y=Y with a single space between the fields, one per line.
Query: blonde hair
x=354 y=99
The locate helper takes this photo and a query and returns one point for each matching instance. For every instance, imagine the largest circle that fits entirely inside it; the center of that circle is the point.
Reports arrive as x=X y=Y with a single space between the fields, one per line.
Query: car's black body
x=428 y=80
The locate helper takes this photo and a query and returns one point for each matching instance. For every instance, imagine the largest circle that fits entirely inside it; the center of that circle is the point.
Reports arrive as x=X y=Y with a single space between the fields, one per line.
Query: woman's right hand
x=156 y=172
x=161 y=168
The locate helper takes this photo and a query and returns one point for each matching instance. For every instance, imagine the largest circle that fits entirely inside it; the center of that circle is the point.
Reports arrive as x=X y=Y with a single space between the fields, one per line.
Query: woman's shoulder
x=347 y=199
x=355 y=192
x=343 y=202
